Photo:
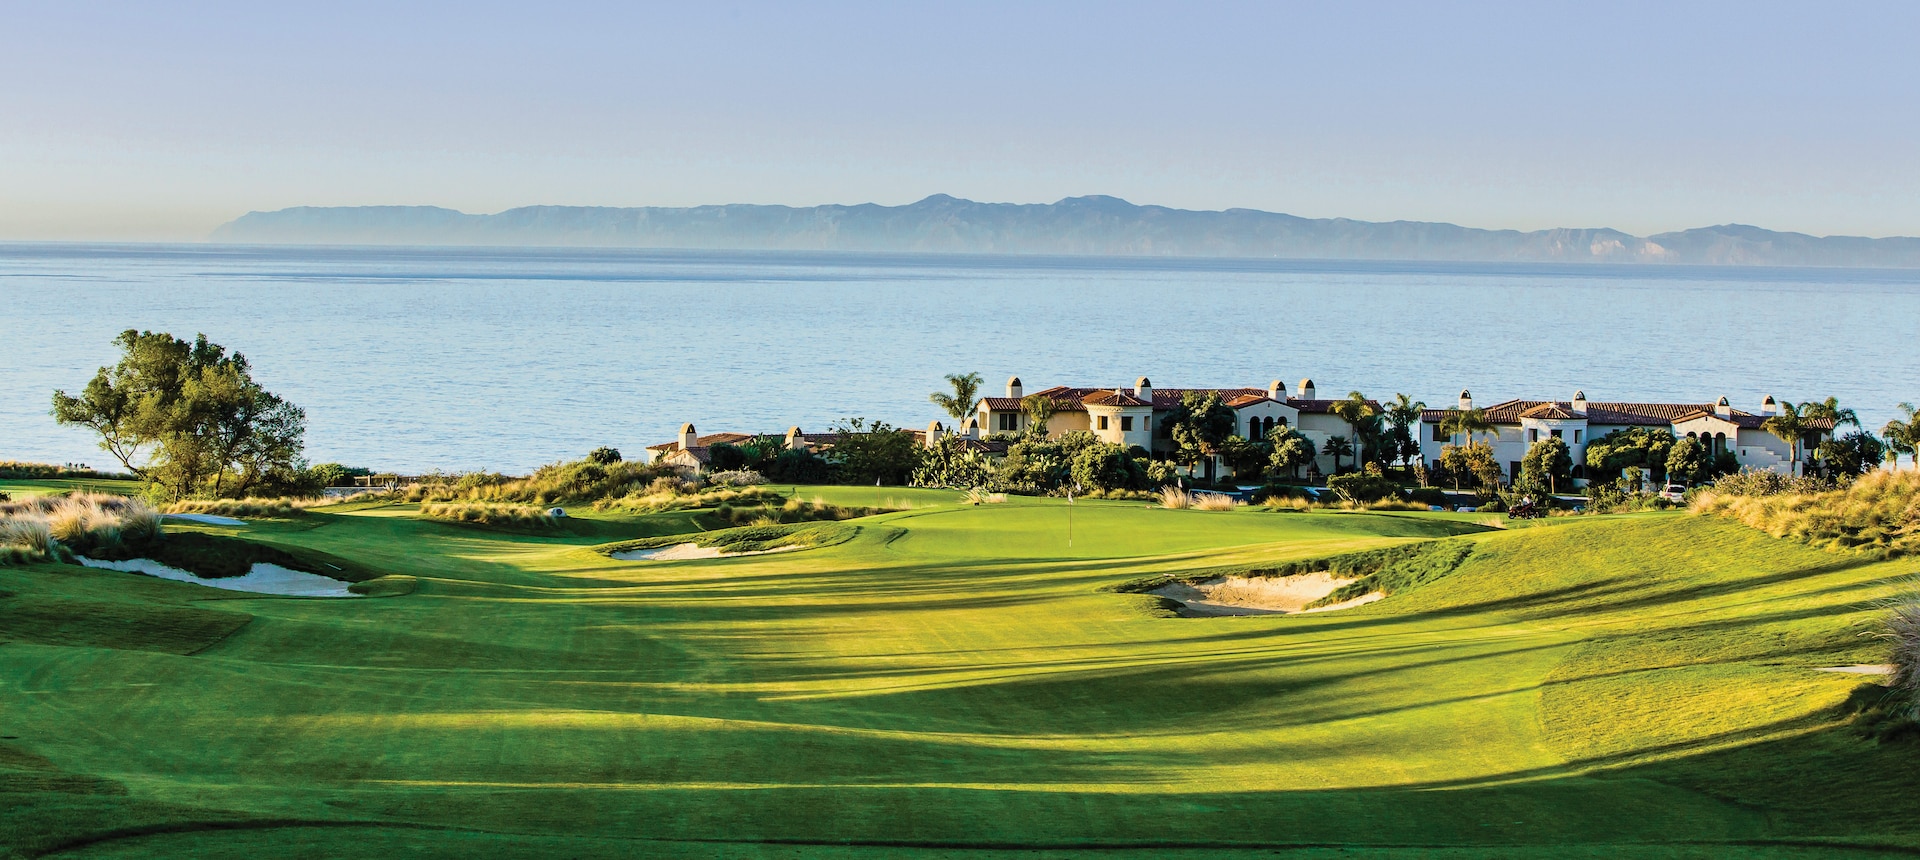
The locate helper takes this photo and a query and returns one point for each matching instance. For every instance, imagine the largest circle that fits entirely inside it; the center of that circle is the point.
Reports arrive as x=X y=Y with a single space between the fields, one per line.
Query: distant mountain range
x=1077 y=225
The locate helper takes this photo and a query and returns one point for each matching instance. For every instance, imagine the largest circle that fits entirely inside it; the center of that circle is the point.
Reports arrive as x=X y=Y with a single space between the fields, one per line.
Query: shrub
x=740 y=478
x=15 y=470
x=1360 y=487
x=1287 y=503
x=793 y=511
x=1429 y=496
x=604 y=455
x=576 y=482
x=1174 y=498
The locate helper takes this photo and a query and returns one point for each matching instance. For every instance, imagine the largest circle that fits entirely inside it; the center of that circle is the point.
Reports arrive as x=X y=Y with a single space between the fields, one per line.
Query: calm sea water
x=457 y=359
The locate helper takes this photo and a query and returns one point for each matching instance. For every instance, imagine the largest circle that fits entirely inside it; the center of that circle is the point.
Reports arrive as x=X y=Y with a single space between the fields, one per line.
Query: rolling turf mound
x=963 y=682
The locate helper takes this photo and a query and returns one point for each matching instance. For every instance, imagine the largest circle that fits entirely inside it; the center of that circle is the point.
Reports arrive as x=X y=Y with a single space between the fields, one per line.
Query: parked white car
x=1674 y=493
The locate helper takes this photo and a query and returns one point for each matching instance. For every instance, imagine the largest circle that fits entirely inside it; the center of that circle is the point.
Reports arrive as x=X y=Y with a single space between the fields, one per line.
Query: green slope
x=956 y=679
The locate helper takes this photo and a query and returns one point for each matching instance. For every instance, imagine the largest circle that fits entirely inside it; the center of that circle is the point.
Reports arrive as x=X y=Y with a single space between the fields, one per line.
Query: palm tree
x=1830 y=410
x=1788 y=425
x=964 y=399
x=1903 y=437
x=1352 y=410
x=1405 y=412
x=1466 y=423
x=1039 y=408
x=1337 y=447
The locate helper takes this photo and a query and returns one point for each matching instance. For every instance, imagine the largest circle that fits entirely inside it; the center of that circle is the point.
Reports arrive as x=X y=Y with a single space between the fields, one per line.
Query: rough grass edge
x=810 y=535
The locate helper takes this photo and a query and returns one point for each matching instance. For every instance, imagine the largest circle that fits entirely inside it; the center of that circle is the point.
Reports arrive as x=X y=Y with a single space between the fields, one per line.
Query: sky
x=150 y=121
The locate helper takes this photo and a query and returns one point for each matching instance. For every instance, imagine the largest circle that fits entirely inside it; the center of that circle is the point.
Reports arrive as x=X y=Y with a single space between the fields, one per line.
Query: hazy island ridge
x=1092 y=225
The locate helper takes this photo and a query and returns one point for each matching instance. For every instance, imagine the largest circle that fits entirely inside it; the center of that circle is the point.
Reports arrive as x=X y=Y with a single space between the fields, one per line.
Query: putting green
x=955 y=681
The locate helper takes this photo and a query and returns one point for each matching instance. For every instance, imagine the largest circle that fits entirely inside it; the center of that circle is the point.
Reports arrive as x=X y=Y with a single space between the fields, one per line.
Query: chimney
x=1769 y=406
x=1143 y=389
x=971 y=429
x=933 y=433
x=1277 y=390
x=795 y=441
x=1580 y=402
x=1306 y=389
x=1722 y=408
x=1013 y=387
x=688 y=438
x=1466 y=400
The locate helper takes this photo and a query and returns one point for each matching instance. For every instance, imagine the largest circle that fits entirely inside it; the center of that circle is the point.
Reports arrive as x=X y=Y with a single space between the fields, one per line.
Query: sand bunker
x=209 y=519
x=1860 y=669
x=262 y=579
x=1279 y=595
x=687 y=551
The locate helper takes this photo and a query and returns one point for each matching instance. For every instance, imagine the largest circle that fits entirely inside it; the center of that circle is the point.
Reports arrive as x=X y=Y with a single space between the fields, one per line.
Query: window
x=1146 y=423
x=1438 y=434
x=1103 y=422
x=1556 y=433
x=1576 y=439
x=1126 y=423
x=1533 y=435
x=1009 y=421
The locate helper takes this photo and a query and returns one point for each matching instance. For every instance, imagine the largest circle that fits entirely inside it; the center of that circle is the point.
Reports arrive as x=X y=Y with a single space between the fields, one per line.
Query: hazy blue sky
x=163 y=120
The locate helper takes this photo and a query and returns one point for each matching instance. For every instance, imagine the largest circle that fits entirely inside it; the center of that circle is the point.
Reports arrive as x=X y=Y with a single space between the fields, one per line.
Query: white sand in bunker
x=261 y=579
x=687 y=551
x=1860 y=669
x=1278 y=595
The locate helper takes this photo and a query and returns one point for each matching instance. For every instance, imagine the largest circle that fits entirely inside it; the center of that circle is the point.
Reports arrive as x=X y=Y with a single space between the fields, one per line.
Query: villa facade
x=1130 y=415
x=1578 y=422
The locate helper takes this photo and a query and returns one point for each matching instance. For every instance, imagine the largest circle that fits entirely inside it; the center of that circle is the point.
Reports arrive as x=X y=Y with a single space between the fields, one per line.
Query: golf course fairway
x=959 y=681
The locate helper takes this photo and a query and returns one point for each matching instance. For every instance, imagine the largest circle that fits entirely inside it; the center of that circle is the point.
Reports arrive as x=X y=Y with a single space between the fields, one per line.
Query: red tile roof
x=1117 y=397
x=1606 y=414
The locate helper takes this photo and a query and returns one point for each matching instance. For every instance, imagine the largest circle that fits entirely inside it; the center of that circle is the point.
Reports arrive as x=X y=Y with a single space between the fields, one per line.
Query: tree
x=1830 y=410
x=1686 y=459
x=1198 y=427
x=1404 y=414
x=188 y=418
x=1788 y=425
x=1466 y=422
x=964 y=399
x=1039 y=409
x=1337 y=447
x=1903 y=436
x=874 y=453
x=1475 y=460
x=1107 y=466
x=1247 y=457
x=1852 y=455
x=1291 y=450
x=1355 y=410
x=1643 y=448
x=604 y=455
x=1547 y=465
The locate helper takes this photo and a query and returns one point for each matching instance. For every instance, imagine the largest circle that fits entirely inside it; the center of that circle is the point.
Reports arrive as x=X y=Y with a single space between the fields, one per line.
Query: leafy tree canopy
x=188 y=418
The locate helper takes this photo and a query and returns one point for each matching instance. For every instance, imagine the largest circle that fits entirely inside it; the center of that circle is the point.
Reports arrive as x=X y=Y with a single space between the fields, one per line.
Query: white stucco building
x=1719 y=426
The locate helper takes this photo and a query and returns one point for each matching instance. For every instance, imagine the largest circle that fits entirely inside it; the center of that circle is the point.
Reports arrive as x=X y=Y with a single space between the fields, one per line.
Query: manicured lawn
x=954 y=682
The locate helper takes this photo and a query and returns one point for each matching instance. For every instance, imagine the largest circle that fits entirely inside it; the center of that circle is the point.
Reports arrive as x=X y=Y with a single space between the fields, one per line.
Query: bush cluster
x=14 y=470
x=792 y=511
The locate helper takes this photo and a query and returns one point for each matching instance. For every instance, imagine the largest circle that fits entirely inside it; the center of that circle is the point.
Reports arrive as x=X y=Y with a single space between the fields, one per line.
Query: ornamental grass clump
x=1174 y=498
x=1214 y=502
x=493 y=514
x=1903 y=627
x=1879 y=510
x=49 y=528
x=251 y=508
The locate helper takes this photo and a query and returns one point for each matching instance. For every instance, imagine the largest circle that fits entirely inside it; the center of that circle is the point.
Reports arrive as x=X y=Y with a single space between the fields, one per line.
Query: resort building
x=1129 y=415
x=1577 y=422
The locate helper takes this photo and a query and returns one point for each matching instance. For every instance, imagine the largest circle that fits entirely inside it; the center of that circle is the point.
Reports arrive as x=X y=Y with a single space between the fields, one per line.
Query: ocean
x=415 y=359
